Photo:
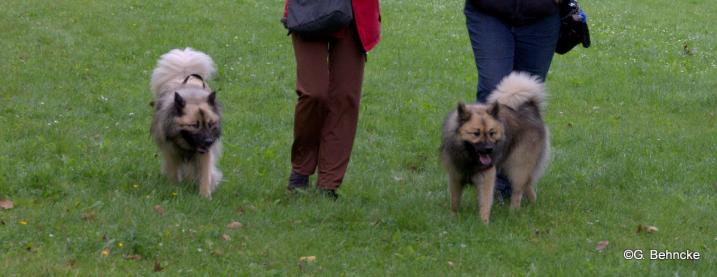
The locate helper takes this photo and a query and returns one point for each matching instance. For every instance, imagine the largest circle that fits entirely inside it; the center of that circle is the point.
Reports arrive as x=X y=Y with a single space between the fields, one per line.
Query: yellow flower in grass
x=23 y=222
x=120 y=244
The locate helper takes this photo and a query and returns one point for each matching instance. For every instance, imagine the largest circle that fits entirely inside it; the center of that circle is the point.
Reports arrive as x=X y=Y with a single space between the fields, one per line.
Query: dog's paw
x=206 y=193
x=485 y=219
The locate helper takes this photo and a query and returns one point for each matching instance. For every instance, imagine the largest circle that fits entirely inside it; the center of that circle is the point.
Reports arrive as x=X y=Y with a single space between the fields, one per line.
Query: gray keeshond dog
x=507 y=134
x=187 y=118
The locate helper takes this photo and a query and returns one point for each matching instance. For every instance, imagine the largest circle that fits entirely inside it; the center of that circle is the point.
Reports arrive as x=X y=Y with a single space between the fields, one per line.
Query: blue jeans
x=500 y=48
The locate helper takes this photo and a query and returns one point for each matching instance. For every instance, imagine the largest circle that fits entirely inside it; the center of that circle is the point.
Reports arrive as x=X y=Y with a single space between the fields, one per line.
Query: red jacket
x=367 y=16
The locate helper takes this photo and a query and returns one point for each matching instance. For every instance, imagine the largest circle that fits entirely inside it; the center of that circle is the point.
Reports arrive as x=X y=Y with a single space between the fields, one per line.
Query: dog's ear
x=212 y=99
x=494 y=109
x=179 y=102
x=463 y=113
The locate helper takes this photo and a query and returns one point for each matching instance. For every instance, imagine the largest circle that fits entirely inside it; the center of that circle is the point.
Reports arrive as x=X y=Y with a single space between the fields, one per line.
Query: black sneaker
x=297 y=181
x=329 y=193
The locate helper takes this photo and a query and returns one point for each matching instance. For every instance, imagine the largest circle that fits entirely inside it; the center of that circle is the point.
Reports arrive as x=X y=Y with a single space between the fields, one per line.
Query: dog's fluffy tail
x=179 y=63
x=517 y=89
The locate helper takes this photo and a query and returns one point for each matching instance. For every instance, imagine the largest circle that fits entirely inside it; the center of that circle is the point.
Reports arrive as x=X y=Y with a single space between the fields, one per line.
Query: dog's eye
x=196 y=124
x=477 y=133
x=492 y=133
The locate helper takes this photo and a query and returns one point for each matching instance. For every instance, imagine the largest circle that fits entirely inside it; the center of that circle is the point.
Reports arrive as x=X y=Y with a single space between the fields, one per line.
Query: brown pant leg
x=346 y=67
x=312 y=87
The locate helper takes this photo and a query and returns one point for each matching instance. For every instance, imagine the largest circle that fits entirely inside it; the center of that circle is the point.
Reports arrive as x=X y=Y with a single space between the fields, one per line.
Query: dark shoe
x=503 y=189
x=329 y=193
x=297 y=181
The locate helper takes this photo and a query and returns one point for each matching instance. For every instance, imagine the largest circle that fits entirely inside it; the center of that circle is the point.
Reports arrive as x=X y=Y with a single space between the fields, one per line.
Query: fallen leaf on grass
x=6 y=204
x=133 y=257
x=539 y=232
x=158 y=209
x=687 y=50
x=226 y=237
x=451 y=264
x=105 y=252
x=88 y=216
x=646 y=228
x=305 y=261
x=157 y=267
x=234 y=225
x=23 y=222
x=601 y=245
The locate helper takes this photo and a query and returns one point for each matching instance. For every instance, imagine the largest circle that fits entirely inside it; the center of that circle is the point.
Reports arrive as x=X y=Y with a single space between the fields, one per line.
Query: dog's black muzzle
x=484 y=148
x=200 y=142
x=204 y=146
x=482 y=153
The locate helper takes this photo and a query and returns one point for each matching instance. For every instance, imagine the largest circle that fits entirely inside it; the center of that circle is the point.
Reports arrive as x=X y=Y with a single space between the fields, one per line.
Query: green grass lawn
x=633 y=122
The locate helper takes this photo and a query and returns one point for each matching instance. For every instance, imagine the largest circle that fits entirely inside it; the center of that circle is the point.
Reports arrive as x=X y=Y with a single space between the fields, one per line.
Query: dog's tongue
x=485 y=159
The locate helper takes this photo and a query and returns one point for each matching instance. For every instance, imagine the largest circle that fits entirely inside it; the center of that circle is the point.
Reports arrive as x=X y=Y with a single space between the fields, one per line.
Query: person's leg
x=346 y=66
x=493 y=49
x=535 y=46
x=503 y=188
x=312 y=86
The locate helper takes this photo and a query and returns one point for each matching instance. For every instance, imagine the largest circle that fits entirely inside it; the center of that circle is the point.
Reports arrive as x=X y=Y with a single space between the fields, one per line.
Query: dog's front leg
x=485 y=183
x=170 y=166
x=455 y=188
x=205 y=175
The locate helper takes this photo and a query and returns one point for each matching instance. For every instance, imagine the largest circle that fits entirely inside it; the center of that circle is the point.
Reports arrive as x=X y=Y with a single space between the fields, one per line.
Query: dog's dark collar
x=197 y=76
